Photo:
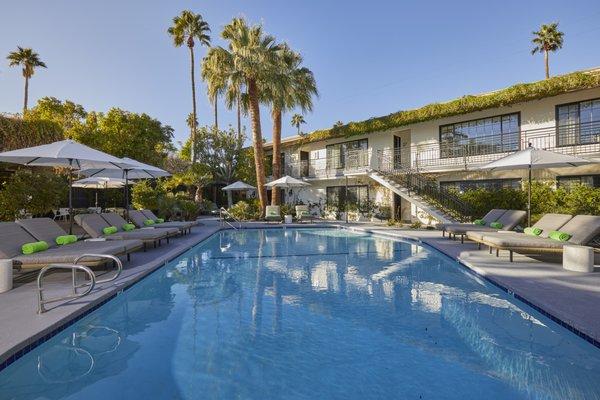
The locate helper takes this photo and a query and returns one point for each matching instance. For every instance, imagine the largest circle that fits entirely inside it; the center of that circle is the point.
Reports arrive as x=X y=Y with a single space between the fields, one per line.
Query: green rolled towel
x=34 y=247
x=479 y=222
x=148 y=222
x=109 y=230
x=496 y=225
x=65 y=239
x=128 y=227
x=159 y=220
x=560 y=236
x=533 y=231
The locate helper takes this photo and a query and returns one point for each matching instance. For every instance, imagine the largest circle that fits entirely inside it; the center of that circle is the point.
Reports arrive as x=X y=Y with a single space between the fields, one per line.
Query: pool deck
x=571 y=297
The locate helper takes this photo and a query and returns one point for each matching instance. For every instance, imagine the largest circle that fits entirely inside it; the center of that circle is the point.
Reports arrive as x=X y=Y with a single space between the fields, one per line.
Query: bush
x=144 y=195
x=35 y=192
x=287 y=209
x=482 y=200
x=581 y=199
x=246 y=210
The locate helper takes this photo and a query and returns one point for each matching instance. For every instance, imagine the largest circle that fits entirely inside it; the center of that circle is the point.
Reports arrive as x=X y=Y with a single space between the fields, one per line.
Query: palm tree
x=292 y=86
x=29 y=60
x=249 y=61
x=297 y=120
x=187 y=28
x=547 y=39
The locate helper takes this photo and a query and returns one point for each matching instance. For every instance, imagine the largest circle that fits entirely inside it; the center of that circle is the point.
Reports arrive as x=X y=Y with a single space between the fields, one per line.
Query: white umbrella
x=287 y=182
x=99 y=183
x=65 y=153
x=533 y=158
x=237 y=186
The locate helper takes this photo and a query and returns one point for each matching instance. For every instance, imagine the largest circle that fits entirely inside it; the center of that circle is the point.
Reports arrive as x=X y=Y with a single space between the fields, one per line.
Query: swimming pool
x=306 y=314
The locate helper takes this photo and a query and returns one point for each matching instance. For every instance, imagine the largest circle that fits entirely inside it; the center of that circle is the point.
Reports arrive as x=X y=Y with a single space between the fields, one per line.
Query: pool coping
x=27 y=344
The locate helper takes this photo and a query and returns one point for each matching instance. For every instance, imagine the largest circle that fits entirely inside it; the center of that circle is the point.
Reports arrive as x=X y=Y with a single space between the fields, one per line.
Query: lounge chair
x=582 y=228
x=13 y=235
x=152 y=216
x=547 y=224
x=303 y=213
x=114 y=219
x=491 y=216
x=94 y=224
x=273 y=213
x=508 y=221
x=138 y=218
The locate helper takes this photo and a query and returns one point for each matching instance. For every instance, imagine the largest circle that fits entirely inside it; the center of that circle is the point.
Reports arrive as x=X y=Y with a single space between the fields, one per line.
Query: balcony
x=470 y=153
x=350 y=162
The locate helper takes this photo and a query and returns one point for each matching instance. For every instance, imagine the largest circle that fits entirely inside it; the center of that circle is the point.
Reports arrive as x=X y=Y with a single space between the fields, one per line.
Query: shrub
x=36 y=192
x=287 y=209
x=245 y=210
x=482 y=200
x=144 y=195
x=581 y=199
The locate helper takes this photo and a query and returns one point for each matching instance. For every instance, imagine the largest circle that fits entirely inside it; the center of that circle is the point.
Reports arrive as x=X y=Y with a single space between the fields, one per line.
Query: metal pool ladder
x=224 y=213
x=74 y=269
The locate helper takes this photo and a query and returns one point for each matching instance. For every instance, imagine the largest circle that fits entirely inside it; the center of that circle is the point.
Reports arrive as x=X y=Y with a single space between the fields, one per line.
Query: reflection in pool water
x=309 y=313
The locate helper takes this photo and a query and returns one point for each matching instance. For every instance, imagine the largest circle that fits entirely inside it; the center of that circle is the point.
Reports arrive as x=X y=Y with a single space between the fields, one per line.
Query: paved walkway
x=569 y=296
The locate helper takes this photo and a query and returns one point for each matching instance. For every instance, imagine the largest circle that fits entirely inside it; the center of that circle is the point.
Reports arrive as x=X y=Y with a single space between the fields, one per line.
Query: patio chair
x=139 y=219
x=491 y=216
x=61 y=214
x=303 y=213
x=13 y=235
x=273 y=213
x=507 y=222
x=94 y=225
x=582 y=228
x=547 y=224
x=114 y=219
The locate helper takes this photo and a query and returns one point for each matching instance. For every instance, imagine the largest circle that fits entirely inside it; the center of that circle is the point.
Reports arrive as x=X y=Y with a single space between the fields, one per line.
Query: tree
x=547 y=39
x=187 y=28
x=250 y=59
x=29 y=60
x=297 y=120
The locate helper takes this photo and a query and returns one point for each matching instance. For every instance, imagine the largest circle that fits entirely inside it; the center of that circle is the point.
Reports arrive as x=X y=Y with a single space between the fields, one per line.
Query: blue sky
x=369 y=58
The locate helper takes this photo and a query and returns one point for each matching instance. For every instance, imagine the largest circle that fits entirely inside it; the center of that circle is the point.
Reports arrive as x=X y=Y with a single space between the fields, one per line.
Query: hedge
x=16 y=133
x=518 y=93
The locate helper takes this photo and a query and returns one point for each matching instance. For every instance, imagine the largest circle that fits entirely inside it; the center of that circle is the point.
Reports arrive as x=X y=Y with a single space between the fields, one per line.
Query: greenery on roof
x=16 y=133
x=518 y=93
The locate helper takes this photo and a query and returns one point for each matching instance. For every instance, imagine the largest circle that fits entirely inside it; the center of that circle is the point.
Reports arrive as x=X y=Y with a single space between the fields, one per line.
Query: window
x=578 y=123
x=269 y=164
x=587 y=180
x=338 y=196
x=488 y=184
x=347 y=154
x=481 y=136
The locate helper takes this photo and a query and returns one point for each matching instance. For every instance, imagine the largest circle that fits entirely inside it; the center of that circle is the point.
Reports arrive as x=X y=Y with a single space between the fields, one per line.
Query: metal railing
x=40 y=280
x=330 y=166
x=118 y=263
x=224 y=214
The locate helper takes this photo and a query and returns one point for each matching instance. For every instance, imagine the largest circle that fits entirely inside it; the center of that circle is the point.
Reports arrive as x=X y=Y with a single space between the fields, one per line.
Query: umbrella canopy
x=99 y=183
x=239 y=185
x=135 y=170
x=287 y=182
x=533 y=158
x=65 y=153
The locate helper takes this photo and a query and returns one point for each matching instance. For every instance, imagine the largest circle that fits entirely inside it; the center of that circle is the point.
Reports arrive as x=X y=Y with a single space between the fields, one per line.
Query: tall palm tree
x=297 y=120
x=293 y=86
x=186 y=29
x=250 y=60
x=29 y=60
x=547 y=39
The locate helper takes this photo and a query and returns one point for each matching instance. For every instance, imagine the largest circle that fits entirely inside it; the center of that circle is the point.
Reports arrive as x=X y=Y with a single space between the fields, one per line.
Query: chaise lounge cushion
x=138 y=218
x=118 y=221
x=149 y=214
x=548 y=223
x=490 y=217
x=509 y=220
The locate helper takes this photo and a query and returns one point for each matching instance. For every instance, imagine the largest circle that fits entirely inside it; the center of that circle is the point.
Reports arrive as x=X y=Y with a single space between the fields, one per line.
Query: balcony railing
x=470 y=153
x=353 y=161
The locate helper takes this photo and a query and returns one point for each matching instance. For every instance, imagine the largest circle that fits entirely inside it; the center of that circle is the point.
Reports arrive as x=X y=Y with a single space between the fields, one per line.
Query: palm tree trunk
x=26 y=95
x=276 y=116
x=546 y=62
x=239 y=115
x=195 y=124
x=216 y=113
x=298 y=126
x=257 y=142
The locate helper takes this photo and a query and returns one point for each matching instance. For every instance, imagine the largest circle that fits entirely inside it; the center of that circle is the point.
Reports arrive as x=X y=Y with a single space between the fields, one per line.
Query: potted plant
x=331 y=212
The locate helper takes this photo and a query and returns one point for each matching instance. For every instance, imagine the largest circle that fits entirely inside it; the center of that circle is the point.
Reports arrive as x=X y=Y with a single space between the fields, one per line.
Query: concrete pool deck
x=568 y=296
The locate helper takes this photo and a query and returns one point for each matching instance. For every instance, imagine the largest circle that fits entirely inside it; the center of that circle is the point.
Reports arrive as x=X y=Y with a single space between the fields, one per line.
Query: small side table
x=287 y=219
x=6 y=275
x=578 y=258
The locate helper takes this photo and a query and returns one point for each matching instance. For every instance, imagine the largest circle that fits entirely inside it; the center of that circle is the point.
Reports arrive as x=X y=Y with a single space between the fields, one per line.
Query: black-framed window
x=489 y=184
x=340 y=155
x=340 y=196
x=578 y=123
x=481 y=136
x=569 y=181
x=269 y=164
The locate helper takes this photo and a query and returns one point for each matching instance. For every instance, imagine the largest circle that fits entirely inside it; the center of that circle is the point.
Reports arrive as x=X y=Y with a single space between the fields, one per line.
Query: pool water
x=309 y=314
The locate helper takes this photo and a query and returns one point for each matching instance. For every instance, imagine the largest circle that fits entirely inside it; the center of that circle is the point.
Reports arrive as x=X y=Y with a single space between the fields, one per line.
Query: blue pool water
x=309 y=314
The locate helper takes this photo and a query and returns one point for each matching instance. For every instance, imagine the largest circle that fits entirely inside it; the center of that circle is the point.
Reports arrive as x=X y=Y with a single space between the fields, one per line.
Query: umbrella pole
x=529 y=198
x=70 y=201
x=96 y=199
x=126 y=195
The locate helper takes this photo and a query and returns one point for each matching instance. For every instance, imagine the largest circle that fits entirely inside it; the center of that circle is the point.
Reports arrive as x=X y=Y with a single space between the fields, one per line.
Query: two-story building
x=445 y=144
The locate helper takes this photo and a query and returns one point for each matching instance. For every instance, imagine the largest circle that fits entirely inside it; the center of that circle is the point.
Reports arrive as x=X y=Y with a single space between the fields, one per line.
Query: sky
x=369 y=58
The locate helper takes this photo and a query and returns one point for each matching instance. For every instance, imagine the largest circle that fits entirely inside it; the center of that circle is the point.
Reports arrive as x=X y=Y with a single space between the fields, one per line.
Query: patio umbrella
x=134 y=170
x=67 y=154
x=237 y=186
x=99 y=183
x=533 y=158
x=287 y=182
